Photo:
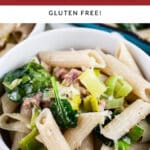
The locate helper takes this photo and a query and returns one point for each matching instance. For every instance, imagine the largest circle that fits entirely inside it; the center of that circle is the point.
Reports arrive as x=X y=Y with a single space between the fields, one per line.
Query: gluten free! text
x=74 y=12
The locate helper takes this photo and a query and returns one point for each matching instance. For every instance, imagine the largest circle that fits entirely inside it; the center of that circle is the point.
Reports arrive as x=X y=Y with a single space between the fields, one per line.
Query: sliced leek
x=92 y=83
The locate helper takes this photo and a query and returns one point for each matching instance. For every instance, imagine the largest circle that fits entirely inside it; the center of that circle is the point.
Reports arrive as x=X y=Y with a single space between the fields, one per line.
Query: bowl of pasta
x=75 y=88
x=13 y=33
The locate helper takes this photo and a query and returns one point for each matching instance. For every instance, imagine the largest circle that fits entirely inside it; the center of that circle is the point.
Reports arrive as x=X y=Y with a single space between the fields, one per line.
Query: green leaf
x=61 y=109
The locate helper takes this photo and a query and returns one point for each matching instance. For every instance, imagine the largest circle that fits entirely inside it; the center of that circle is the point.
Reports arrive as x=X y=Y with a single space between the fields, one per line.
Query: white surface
x=39 y=27
x=64 y=39
x=109 y=14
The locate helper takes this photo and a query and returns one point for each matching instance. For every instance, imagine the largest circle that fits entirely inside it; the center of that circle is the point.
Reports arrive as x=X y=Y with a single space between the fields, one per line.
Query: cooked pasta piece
x=38 y=138
x=7 y=105
x=141 y=87
x=70 y=59
x=87 y=143
x=18 y=136
x=86 y=123
x=122 y=123
x=49 y=132
x=20 y=124
x=6 y=49
x=141 y=146
x=125 y=57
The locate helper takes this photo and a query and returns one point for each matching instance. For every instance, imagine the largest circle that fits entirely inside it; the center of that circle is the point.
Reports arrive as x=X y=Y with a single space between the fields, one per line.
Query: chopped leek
x=87 y=104
x=90 y=103
x=135 y=133
x=35 y=113
x=94 y=103
x=97 y=72
x=117 y=87
x=117 y=90
x=29 y=142
x=132 y=137
x=114 y=103
x=123 y=144
x=111 y=84
x=92 y=83
x=75 y=102
x=124 y=90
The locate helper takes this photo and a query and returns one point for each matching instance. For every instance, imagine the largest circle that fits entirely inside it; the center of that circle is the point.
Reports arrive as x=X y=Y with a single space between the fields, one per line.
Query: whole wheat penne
x=87 y=143
x=141 y=87
x=18 y=135
x=141 y=146
x=70 y=59
x=86 y=123
x=104 y=147
x=7 y=105
x=125 y=57
x=49 y=132
x=122 y=123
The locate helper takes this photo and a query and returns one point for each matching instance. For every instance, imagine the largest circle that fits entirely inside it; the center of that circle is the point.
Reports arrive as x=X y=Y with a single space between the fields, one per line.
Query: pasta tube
x=86 y=123
x=7 y=105
x=20 y=124
x=126 y=58
x=49 y=132
x=71 y=59
x=87 y=143
x=141 y=87
x=122 y=123
x=18 y=135
x=141 y=146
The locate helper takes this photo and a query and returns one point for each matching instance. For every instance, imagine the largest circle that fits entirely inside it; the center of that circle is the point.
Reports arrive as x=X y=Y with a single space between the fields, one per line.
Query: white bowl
x=38 y=28
x=64 y=39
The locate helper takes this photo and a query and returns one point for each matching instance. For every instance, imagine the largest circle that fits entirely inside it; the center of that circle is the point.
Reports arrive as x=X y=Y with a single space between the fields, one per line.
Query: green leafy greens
x=61 y=109
x=25 y=81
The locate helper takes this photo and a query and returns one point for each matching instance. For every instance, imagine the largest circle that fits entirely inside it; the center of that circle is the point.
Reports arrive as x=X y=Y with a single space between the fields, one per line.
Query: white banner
x=75 y=14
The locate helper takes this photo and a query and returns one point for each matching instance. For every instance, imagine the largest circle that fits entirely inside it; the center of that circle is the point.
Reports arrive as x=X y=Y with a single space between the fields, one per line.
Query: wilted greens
x=64 y=115
x=25 y=81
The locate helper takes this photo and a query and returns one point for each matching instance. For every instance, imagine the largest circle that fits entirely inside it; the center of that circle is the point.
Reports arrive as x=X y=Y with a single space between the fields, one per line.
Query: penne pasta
x=122 y=123
x=49 y=132
x=7 y=105
x=126 y=58
x=141 y=146
x=18 y=136
x=86 y=123
x=87 y=143
x=141 y=87
x=20 y=124
x=71 y=59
